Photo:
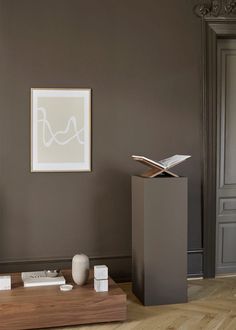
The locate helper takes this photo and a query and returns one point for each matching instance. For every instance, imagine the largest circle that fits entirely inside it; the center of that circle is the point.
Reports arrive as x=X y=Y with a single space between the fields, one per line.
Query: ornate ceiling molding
x=216 y=8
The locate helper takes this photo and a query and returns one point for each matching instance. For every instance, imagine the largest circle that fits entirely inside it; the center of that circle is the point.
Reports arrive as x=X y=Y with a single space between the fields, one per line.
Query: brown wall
x=142 y=60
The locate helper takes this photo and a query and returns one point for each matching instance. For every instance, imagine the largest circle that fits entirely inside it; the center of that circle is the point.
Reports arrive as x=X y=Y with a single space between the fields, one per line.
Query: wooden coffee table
x=45 y=307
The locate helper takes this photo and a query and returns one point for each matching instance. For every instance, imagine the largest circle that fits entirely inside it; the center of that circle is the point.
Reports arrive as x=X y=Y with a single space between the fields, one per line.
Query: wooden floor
x=212 y=305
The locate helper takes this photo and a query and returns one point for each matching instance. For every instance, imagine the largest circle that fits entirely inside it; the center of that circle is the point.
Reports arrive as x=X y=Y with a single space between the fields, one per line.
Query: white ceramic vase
x=80 y=269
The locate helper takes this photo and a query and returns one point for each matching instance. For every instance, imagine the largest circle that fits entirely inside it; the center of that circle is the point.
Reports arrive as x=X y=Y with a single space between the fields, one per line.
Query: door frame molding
x=218 y=21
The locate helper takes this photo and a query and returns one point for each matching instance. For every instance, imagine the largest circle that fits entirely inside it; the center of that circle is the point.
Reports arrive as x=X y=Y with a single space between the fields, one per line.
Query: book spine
x=29 y=285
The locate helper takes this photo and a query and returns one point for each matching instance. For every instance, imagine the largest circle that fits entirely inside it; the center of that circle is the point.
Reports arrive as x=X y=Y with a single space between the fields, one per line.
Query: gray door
x=226 y=158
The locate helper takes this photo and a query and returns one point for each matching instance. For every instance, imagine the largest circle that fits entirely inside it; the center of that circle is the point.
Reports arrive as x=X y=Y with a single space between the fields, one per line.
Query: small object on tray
x=101 y=272
x=100 y=285
x=101 y=278
x=5 y=282
x=66 y=287
x=52 y=273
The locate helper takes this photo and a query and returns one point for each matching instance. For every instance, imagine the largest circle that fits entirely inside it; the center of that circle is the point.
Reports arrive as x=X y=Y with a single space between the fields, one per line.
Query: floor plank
x=211 y=306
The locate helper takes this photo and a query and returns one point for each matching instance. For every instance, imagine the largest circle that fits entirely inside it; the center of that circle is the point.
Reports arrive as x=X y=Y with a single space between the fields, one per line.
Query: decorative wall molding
x=215 y=8
x=119 y=265
x=195 y=263
x=218 y=20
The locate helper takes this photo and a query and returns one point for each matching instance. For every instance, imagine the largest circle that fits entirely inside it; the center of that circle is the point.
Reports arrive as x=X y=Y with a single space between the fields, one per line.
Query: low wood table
x=45 y=307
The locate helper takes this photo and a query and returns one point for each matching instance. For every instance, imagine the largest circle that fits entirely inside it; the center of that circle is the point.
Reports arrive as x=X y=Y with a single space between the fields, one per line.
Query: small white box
x=5 y=282
x=101 y=272
x=100 y=285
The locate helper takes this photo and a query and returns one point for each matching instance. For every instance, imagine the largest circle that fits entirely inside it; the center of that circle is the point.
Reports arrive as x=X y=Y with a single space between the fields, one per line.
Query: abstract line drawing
x=71 y=126
x=60 y=130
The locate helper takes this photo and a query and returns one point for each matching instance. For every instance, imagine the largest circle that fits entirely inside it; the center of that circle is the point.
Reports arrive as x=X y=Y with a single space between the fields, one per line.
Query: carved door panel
x=226 y=158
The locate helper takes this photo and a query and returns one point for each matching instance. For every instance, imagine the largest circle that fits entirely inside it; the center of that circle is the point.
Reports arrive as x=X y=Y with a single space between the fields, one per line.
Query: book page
x=164 y=163
x=172 y=161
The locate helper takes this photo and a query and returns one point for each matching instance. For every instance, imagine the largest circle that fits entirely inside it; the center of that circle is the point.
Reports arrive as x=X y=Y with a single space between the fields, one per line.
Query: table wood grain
x=44 y=307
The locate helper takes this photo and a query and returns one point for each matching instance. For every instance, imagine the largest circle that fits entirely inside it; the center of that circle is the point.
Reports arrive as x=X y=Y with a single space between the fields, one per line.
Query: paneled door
x=226 y=158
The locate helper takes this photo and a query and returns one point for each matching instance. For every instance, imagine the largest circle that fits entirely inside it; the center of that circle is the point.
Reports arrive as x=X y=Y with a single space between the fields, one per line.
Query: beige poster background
x=60 y=129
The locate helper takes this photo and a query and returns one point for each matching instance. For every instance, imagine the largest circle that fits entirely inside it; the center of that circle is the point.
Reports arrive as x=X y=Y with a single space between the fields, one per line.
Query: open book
x=160 y=166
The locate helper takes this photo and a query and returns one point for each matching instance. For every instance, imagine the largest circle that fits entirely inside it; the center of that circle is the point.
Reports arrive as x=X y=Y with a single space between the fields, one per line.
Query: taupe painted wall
x=142 y=60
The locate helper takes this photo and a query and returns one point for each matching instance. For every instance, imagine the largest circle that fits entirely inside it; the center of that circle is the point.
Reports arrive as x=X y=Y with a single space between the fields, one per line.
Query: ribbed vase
x=80 y=269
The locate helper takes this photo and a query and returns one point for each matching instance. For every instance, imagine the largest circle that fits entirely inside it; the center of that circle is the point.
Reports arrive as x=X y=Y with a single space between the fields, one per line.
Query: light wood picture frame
x=60 y=130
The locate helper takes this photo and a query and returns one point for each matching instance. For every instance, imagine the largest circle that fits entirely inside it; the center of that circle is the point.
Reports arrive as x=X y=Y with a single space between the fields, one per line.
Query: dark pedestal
x=159 y=240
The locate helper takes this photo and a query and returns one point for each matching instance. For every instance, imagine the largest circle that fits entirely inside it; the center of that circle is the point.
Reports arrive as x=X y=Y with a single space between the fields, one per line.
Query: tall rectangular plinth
x=159 y=239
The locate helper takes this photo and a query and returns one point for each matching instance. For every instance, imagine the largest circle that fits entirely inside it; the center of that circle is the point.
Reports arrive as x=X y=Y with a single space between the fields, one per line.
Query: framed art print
x=60 y=130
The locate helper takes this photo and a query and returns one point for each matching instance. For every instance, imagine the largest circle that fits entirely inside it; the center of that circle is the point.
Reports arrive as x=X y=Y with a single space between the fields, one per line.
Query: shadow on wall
x=112 y=211
x=9 y=238
x=2 y=227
